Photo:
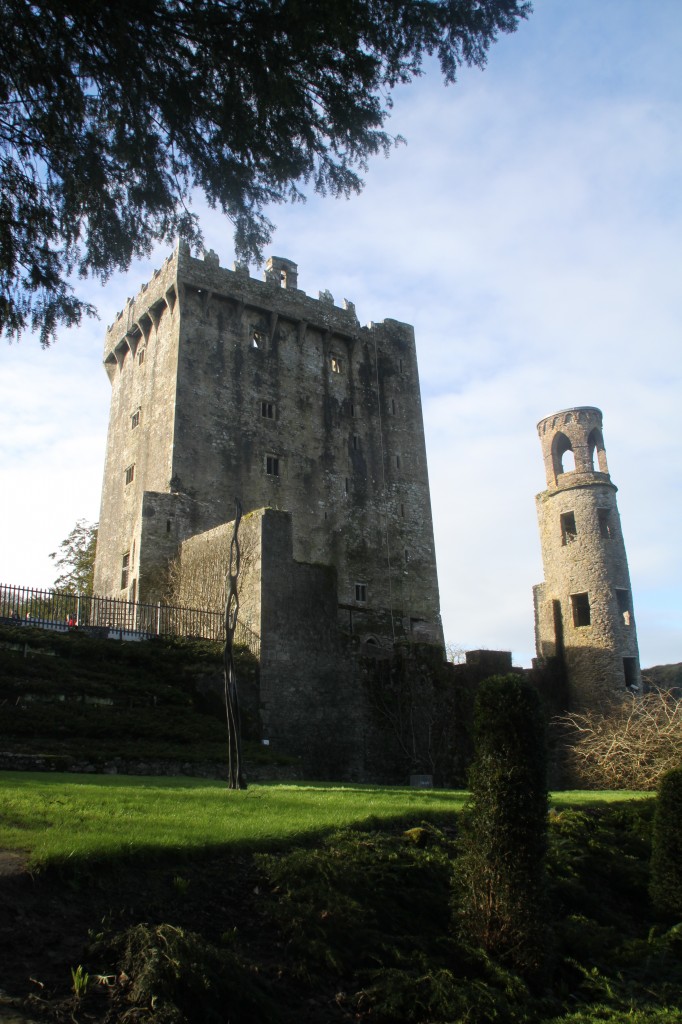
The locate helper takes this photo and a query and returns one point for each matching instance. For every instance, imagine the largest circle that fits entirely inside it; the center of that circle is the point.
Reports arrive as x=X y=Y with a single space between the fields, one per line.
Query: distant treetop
x=75 y=559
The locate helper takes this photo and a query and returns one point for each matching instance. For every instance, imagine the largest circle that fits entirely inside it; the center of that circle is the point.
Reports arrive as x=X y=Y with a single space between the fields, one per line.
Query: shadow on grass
x=288 y=924
x=72 y=910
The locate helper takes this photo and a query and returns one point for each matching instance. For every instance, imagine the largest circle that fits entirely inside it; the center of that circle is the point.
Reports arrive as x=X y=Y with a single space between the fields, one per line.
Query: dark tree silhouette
x=235 y=775
x=112 y=113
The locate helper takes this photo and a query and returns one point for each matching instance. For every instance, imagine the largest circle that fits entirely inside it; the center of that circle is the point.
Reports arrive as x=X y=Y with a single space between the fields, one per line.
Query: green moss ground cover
x=75 y=697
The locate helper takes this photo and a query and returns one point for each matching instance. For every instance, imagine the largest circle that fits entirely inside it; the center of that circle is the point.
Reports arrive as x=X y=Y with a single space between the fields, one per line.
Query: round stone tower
x=583 y=611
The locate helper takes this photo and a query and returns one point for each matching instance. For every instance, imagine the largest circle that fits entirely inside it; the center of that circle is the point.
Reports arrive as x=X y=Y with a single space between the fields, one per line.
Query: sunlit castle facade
x=584 y=615
x=227 y=386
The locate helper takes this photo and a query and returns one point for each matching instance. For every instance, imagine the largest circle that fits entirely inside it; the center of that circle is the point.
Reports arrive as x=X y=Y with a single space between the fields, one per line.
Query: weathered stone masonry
x=224 y=386
x=584 y=613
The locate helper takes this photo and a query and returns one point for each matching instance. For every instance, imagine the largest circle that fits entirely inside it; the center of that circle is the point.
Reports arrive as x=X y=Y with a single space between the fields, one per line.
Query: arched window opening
x=597 y=453
x=563 y=458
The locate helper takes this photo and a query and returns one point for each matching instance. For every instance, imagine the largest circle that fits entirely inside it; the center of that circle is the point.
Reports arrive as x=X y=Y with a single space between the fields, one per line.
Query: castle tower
x=583 y=611
x=224 y=386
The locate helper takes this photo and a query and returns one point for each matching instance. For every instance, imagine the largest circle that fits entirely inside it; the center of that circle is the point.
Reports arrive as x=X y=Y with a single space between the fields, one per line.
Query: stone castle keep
x=223 y=386
x=227 y=386
x=583 y=611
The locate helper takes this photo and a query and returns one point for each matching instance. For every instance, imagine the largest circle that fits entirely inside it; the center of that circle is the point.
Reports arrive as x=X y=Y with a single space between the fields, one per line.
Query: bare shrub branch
x=629 y=746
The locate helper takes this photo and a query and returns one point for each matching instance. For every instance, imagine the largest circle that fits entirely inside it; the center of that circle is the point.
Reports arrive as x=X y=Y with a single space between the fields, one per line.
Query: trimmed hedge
x=501 y=872
x=665 y=886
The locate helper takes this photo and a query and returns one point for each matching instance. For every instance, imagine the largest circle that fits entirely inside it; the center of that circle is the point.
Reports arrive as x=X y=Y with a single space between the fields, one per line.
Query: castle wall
x=311 y=699
x=311 y=703
x=199 y=578
x=344 y=425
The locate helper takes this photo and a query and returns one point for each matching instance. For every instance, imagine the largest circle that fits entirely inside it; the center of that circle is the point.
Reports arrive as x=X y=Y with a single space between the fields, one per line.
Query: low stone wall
x=118 y=766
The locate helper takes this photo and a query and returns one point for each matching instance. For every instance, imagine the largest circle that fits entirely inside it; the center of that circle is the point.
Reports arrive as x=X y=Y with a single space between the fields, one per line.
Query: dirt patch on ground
x=12 y=863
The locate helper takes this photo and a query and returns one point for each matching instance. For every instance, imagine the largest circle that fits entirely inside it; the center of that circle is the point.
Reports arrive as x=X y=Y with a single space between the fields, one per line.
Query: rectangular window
x=272 y=465
x=356 y=442
x=568 y=528
x=402 y=510
x=125 y=569
x=623 y=599
x=130 y=474
x=335 y=364
x=140 y=358
x=393 y=406
x=352 y=409
x=580 y=603
x=135 y=419
x=257 y=339
x=267 y=410
x=346 y=485
x=397 y=462
x=558 y=621
x=630 y=673
x=361 y=593
x=605 y=524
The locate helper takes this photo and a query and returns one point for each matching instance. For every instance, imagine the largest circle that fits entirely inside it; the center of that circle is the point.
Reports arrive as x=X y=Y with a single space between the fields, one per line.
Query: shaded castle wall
x=310 y=704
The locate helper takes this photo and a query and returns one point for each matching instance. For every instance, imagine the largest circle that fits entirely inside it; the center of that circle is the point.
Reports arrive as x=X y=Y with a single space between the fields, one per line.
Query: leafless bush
x=629 y=746
x=455 y=654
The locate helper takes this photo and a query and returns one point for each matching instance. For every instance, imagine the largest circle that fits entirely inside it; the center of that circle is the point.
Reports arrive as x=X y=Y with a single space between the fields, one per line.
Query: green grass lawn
x=317 y=903
x=59 y=817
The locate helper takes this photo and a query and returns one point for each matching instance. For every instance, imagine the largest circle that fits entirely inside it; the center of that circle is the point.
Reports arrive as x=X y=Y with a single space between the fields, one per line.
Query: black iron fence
x=124 y=620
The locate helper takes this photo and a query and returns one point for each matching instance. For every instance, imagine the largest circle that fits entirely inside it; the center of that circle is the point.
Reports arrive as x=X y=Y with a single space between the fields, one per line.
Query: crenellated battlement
x=134 y=323
x=576 y=433
x=276 y=295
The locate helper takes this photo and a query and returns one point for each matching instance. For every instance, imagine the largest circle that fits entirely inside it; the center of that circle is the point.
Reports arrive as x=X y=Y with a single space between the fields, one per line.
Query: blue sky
x=531 y=230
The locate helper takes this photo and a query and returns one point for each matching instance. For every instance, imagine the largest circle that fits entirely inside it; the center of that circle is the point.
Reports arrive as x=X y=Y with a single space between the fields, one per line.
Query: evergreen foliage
x=501 y=871
x=112 y=114
x=666 y=846
x=187 y=980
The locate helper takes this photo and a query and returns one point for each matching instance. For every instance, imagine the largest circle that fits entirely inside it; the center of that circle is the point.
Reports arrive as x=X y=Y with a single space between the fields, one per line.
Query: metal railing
x=105 y=616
